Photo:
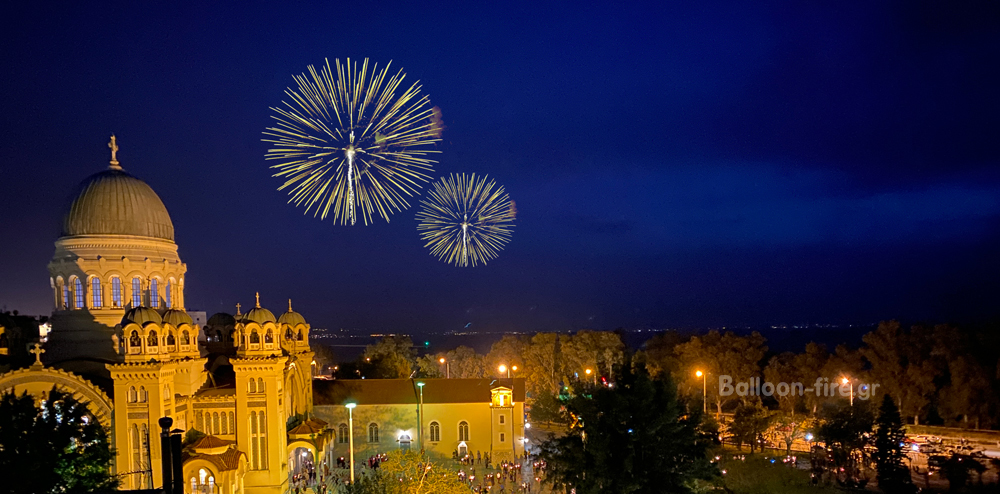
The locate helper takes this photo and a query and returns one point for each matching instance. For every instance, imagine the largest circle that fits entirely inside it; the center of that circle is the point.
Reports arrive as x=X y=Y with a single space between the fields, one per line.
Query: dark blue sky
x=708 y=164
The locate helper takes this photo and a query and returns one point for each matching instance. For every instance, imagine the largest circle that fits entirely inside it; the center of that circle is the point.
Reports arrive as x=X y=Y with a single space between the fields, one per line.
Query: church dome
x=291 y=317
x=112 y=202
x=258 y=315
x=175 y=318
x=142 y=316
x=221 y=319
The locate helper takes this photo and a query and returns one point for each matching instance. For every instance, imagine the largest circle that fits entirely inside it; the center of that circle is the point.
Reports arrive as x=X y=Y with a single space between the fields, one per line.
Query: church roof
x=113 y=202
x=176 y=317
x=142 y=316
x=405 y=391
x=258 y=315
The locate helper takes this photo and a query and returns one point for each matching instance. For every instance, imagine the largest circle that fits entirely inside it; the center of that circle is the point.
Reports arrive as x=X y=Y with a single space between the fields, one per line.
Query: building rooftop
x=405 y=391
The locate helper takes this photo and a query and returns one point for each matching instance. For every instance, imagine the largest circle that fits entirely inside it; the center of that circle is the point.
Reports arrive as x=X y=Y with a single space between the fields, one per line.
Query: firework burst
x=352 y=142
x=466 y=220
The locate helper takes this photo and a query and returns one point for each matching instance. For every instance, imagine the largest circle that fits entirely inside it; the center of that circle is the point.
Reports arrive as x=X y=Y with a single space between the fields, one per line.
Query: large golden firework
x=351 y=138
x=466 y=220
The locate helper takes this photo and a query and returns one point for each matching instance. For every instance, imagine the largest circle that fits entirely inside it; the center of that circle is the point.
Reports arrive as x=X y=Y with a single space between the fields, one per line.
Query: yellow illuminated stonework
x=123 y=342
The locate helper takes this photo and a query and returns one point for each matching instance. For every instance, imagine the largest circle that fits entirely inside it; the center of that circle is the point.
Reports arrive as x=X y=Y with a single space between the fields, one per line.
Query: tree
x=389 y=358
x=509 y=351
x=750 y=421
x=541 y=364
x=53 y=447
x=324 y=357
x=846 y=431
x=790 y=427
x=901 y=363
x=893 y=476
x=546 y=407
x=810 y=365
x=722 y=354
x=633 y=437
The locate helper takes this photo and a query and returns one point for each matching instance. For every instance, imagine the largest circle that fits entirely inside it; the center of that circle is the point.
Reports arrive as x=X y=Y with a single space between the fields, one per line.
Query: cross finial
x=114 y=152
x=258 y=300
x=289 y=305
x=238 y=309
x=38 y=351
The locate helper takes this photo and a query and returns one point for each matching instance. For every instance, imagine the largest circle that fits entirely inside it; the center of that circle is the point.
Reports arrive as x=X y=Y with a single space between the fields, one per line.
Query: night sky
x=699 y=165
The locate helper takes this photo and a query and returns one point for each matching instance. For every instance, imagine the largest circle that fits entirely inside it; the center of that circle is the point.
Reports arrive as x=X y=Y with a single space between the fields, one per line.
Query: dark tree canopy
x=893 y=476
x=634 y=437
x=55 y=447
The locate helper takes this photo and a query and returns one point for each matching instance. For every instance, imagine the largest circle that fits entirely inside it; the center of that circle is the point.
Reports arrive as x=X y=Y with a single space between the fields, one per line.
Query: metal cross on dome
x=38 y=351
x=114 y=151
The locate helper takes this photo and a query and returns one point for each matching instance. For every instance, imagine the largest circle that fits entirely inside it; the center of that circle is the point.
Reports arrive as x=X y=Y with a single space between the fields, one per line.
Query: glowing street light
x=845 y=381
x=447 y=366
x=704 y=390
x=503 y=369
x=589 y=372
x=350 y=425
x=420 y=413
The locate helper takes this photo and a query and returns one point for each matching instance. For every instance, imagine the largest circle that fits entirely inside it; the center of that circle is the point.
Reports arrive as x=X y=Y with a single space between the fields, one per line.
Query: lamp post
x=350 y=425
x=504 y=369
x=845 y=381
x=447 y=366
x=704 y=390
x=589 y=372
x=420 y=415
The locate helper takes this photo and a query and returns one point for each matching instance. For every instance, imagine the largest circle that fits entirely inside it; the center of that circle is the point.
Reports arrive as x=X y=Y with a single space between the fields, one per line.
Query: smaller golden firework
x=466 y=220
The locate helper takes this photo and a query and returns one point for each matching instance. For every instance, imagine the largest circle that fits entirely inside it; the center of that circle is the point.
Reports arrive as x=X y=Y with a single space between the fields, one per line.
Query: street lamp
x=589 y=372
x=845 y=381
x=503 y=369
x=704 y=390
x=447 y=365
x=420 y=414
x=350 y=436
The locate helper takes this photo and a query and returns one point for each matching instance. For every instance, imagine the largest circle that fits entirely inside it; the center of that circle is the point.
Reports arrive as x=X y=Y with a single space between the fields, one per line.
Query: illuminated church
x=122 y=341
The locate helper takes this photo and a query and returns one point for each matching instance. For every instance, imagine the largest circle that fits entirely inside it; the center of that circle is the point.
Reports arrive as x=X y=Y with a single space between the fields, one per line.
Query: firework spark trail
x=351 y=141
x=466 y=220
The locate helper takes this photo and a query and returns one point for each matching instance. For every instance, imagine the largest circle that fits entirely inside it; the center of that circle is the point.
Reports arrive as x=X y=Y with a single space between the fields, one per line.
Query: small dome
x=176 y=317
x=142 y=316
x=112 y=202
x=291 y=317
x=221 y=319
x=258 y=315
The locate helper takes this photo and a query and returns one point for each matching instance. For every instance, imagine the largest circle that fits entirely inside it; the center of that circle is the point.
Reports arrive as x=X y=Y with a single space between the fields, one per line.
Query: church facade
x=241 y=386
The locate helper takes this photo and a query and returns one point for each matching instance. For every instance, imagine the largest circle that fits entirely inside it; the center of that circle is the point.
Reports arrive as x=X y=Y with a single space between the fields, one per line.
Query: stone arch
x=39 y=381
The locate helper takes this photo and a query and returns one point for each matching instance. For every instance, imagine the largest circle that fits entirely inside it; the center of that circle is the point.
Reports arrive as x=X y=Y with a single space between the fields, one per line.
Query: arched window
x=253 y=385
x=185 y=337
x=225 y=424
x=133 y=396
x=170 y=304
x=373 y=432
x=288 y=334
x=298 y=335
x=154 y=293
x=153 y=339
x=136 y=292
x=260 y=384
x=65 y=296
x=97 y=299
x=435 y=432
x=170 y=340
x=134 y=342
x=269 y=336
x=199 y=422
x=78 y=289
x=216 y=427
x=232 y=424
x=254 y=337
x=116 y=292
x=142 y=394
x=463 y=431
x=342 y=434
